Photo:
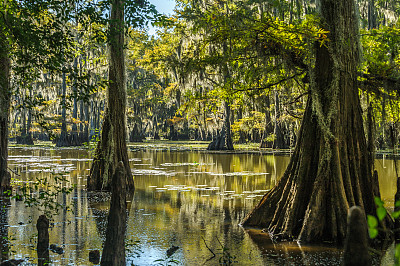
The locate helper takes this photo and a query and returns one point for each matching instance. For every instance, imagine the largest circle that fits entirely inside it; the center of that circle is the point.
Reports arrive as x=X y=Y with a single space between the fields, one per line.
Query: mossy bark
x=112 y=145
x=330 y=169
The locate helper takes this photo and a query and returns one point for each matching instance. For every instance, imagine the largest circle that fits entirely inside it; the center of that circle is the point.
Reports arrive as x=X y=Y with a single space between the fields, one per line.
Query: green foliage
x=397 y=254
x=372 y=226
x=245 y=126
x=43 y=193
x=227 y=258
x=381 y=210
x=133 y=247
x=166 y=261
x=373 y=223
x=92 y=144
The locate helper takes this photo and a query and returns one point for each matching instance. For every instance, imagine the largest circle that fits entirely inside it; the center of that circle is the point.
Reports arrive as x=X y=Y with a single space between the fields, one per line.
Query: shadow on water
x=186 y=199
x=292 y=253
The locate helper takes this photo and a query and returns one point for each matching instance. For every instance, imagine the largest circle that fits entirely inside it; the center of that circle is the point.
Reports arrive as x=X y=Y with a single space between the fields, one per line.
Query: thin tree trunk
x=279 y=142
x=62 y=140
x=84 y=113
x=74 y=139
x=372 y=23
x=26 y=135
x=5 y=93
x=268 y=125
x=112 y=146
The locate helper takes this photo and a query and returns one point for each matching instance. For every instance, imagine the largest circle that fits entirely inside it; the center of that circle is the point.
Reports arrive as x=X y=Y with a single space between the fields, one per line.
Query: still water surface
x=190 y=199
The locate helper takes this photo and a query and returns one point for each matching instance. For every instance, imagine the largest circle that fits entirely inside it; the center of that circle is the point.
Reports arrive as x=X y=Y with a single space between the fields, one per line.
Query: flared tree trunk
x=330 y=169
x=4 y=110
x=112 y=145
x=135 y=135
x=224 y=139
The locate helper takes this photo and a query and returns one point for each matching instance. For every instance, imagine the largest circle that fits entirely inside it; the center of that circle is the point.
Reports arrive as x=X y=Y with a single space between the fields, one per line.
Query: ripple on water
x=152 y=172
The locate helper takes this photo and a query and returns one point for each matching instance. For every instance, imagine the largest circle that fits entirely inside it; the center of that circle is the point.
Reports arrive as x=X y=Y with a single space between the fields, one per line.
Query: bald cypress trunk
x=5 y=93
x=224 y=139
x=330 y=169
x=112 y=145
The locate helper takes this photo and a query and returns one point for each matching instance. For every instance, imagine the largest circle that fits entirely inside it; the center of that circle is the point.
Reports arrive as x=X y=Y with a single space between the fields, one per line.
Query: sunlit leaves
x=372 y=226
x=380 y=210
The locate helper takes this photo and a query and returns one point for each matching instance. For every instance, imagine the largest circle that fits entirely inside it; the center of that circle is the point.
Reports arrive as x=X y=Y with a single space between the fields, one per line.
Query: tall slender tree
x=5 y=95
x=112 y=146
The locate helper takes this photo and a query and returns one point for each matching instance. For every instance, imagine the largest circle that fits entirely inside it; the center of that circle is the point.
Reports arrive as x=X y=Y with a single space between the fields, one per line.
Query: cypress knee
x=356 y=244
x=43 y=240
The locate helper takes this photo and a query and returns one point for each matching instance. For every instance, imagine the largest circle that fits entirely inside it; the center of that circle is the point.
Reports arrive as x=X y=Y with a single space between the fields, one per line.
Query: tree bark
x=112 y=145
x=224 y=139
x=5 y=93
x=330 y=168
x=372 y=23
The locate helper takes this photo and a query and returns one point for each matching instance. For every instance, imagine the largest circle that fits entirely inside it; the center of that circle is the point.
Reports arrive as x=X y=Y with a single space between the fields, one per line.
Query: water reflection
x=184 y=199
x=4 y=247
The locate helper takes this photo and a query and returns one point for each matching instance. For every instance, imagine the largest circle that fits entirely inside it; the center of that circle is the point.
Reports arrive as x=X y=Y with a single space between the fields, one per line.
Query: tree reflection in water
x=180 y=198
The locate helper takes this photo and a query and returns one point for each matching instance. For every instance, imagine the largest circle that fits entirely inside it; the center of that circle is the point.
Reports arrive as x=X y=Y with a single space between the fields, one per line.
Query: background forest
x=234 y=70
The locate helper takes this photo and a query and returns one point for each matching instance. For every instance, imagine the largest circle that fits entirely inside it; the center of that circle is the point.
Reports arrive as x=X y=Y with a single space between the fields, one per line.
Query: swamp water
x=189 y=199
